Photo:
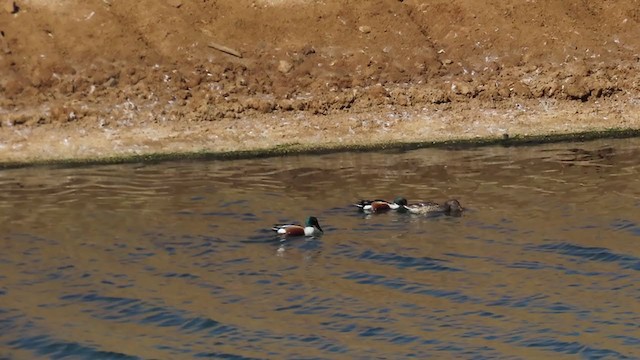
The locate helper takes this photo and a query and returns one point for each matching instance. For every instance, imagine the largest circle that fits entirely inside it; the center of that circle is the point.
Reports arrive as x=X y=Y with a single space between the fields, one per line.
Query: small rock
x=17 y=120
x=175 y=3
x=377 y=91
x=365 y=29
x=111 y=82
x=11 y=7
x=577 y=91
x=3 y=44
x=193 y=80
x=60 y=113
x=286 y=105
x=463 y=88
x=284 y=66
x=521 y=89
x=308 y=50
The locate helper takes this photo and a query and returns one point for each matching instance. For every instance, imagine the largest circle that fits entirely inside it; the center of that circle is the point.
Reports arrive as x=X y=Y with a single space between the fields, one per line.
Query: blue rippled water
x=177 y=260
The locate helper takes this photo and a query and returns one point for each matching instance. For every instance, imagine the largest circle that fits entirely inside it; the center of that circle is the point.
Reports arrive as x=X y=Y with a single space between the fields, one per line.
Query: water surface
x=176 y=260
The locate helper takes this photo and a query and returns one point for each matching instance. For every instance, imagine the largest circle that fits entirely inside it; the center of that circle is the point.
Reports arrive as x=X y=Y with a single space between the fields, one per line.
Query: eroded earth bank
x=100 y=78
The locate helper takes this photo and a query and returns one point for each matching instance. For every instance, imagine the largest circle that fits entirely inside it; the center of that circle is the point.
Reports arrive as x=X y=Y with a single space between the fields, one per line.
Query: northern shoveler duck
x=311 y=228
x=450 y=207
x=380 y=205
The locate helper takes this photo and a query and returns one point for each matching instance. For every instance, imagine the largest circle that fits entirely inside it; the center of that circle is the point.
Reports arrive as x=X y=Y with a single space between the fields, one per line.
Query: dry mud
x=103 y=78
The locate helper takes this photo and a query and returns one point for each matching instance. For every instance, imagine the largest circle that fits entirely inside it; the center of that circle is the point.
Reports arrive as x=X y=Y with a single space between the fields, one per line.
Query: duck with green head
x=374 y=206
x=311 y=228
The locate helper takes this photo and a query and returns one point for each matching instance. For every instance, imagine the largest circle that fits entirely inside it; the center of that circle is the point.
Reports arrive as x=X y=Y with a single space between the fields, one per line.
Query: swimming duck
x=450 y=207
x=380 y=205
x=311 y=228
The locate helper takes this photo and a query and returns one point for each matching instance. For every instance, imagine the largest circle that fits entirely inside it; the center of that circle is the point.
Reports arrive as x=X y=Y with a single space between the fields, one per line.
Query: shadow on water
x=177 y=260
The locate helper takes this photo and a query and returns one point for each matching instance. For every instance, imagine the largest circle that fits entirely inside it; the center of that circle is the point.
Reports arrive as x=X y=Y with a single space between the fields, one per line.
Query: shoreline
x=473 y=123
x=297 y=149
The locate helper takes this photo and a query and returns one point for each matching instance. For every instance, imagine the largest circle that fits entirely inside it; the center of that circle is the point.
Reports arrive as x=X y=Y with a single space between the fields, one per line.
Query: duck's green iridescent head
x=313 y=221
x=400 y=201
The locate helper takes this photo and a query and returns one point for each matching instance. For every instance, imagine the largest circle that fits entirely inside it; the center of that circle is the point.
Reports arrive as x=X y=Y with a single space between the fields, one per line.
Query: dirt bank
x=103 y=77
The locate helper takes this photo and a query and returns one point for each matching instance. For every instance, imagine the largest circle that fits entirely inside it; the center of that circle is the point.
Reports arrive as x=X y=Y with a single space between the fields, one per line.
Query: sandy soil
x=87 y=78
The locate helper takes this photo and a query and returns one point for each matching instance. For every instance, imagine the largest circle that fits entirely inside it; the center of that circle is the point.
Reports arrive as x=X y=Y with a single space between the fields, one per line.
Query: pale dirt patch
x=267 y=131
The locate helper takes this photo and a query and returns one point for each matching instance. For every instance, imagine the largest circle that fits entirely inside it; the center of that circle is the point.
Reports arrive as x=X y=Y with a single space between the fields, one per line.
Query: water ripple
x=408 y=287
x=125 y=309
x=571 y=348
x=219 y=355
x=399 y=261
x=626 y=225
x=45 y=345
x=591 y=253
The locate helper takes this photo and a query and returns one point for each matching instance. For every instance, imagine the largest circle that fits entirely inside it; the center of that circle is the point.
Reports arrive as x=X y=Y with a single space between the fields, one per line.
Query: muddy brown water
x=176 y=260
